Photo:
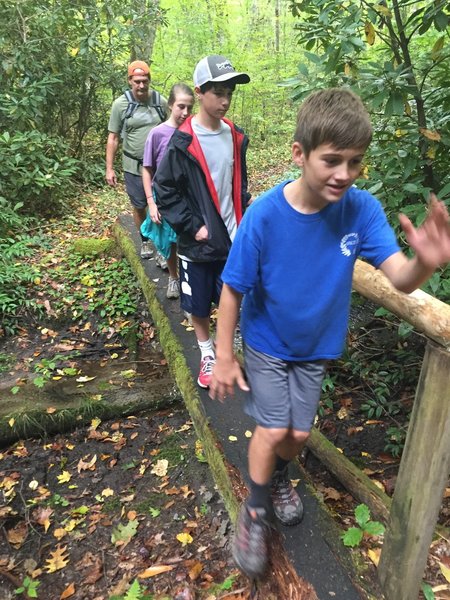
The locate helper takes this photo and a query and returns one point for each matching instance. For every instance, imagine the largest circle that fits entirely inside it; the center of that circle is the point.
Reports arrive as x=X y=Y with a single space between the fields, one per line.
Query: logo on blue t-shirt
x=349 y=244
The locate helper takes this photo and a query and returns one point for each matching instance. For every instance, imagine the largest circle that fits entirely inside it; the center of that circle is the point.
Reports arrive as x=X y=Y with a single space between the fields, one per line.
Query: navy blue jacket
x=186 y=196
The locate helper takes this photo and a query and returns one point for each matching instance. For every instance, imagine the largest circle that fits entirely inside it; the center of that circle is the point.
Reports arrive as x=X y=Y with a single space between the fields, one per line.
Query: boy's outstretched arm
x=227 y=371
x=431 y=244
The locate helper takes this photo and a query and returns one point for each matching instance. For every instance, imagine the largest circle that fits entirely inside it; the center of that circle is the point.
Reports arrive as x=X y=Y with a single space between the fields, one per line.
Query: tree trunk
x=146 y=21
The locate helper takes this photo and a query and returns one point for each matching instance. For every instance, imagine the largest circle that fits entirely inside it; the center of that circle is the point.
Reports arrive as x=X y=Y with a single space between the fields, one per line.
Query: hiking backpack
x=155 y=102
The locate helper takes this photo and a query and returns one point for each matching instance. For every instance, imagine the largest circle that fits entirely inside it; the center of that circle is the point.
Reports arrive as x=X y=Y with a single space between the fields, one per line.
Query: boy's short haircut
x=334 y=116
x=210 y=85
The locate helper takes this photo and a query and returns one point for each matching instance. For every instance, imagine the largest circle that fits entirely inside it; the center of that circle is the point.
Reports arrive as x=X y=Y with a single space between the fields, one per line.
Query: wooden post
x=422 y=478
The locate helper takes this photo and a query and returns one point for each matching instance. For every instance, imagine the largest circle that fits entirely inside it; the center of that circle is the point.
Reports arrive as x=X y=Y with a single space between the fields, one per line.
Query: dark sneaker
x=287 y=506
x=250 y=548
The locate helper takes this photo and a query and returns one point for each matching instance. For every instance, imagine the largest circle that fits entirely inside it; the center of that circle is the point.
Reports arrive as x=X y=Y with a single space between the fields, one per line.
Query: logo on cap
x=224 y=65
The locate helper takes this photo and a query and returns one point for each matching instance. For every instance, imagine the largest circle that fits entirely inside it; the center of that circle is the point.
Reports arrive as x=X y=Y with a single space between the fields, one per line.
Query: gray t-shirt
x=137 y=128
x=217 y=147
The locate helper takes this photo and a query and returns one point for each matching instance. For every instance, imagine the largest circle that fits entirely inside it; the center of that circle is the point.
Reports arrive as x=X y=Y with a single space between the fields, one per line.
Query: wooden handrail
x=426 y=313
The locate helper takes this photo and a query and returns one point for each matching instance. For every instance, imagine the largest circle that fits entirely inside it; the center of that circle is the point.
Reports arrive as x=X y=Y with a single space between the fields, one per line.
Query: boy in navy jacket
x=201 y=191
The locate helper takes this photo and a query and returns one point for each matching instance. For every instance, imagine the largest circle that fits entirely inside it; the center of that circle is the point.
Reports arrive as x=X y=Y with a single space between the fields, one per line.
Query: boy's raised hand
x=226 y=374
x=430 y=241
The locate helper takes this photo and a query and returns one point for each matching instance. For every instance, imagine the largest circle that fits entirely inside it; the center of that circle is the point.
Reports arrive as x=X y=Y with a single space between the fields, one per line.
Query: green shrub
x=15 y=272
x=36 y=170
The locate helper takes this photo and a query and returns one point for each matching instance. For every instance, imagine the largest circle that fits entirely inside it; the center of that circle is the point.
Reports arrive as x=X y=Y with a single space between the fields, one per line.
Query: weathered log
x=351 y=476
x=425 y=313
x=421 y=481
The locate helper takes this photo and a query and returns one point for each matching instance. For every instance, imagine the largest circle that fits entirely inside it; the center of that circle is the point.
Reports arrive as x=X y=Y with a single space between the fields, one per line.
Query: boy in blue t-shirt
x=292 y=263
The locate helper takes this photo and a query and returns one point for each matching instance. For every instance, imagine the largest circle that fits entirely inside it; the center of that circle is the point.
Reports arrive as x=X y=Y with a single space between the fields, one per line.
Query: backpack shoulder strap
x=131 y=107
x=132 y=104
x=156 y=104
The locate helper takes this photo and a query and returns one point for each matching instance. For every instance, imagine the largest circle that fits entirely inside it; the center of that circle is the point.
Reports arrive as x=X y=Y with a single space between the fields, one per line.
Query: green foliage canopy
x=395 y=54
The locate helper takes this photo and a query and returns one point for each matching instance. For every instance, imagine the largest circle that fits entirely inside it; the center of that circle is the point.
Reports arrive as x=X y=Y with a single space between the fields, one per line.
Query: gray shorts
x=282 y=393
x=135 y=190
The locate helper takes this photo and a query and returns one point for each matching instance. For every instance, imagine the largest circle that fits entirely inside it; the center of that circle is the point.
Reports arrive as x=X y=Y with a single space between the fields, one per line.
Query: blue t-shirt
x=296 y=269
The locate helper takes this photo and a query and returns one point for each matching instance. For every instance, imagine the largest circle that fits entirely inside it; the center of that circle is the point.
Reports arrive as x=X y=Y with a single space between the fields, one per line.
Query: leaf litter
x=146 y=509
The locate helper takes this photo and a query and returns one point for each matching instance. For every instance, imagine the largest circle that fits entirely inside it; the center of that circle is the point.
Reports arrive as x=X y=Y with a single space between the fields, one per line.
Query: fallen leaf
x=124 y=533
x=59 y=533
x=84 y=379
x=95 y=423
x=17 y=535
x=186 y=491
x=248 y=434
x=232 y=438
x=442 y=588
x=347 y=402
x=84 y=465
x=374 y=555
x=42 y=516
x=195 y=571
x=330 y=493
x=128 y=374
x=191 y=524
x=445 y=571
x=94 y=568
x=185 y=538
x=152 y=571
x=58 y=559
x=160 y=469
x=352 y=430
x=69 y=591
x=379 y=484
x=64 y=477
x=184 y=427
x=342 y=413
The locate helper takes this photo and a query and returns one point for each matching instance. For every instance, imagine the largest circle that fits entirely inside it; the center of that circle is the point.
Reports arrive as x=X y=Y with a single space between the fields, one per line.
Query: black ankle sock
x=259 y=496
x=280 y=463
